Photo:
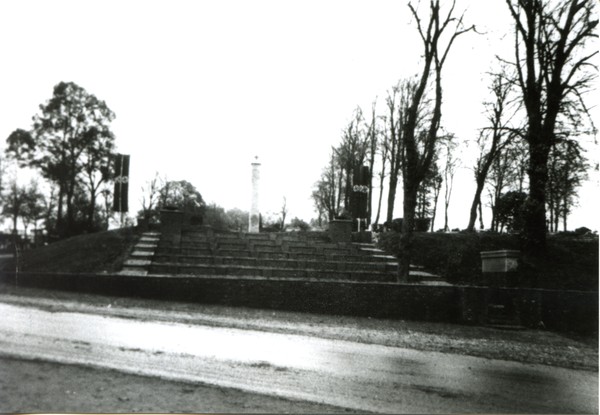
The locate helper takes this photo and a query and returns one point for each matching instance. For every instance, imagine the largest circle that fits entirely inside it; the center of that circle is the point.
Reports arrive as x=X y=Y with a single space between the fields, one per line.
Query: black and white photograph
x=266 y=206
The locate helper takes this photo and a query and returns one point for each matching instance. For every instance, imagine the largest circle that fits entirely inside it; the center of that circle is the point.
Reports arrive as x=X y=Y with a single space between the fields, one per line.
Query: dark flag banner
x=121 y=183
x=360 y=189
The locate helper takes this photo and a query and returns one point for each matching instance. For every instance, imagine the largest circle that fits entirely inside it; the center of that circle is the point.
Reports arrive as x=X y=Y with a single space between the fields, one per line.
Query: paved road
x=355 y=375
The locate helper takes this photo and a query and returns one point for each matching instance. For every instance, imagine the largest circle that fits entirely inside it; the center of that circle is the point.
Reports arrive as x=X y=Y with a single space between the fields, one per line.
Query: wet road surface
x=348 y=374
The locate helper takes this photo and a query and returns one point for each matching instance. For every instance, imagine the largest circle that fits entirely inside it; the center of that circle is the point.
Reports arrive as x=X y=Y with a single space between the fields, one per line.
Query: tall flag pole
x=121 y=183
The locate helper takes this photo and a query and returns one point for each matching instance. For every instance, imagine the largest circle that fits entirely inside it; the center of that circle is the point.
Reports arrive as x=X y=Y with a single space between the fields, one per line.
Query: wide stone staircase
x=210 y=253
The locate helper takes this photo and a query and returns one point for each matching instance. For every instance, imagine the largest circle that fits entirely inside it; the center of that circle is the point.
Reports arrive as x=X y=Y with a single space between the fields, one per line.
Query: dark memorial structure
x=121 y=183
x=361 y=181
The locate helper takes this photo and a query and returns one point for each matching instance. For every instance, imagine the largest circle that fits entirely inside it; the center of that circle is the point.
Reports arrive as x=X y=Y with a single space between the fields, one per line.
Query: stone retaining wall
x=554 y=310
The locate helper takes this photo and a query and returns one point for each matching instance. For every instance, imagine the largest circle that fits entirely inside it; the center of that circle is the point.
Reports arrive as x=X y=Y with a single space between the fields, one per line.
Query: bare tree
x=50 y=202
x=352 y=151
x=567 y=170
x=97 y=158
x=497 y=132
x=398 y=101
x=452 y=164
x=150 y=194
x=33 y=206
x=383 y=149
x=327 y=191
x=283 y=214
x=426 y=196
x=419 y=145
x=554 y=71
x=14 y=202
x=506 y=174
x=372 y=140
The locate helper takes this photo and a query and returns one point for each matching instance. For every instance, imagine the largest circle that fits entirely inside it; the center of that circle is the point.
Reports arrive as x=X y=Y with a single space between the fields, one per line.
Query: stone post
x=171 y=222
x=254 y=221
x=340 y=230
x=500 y=268
x=500 y=271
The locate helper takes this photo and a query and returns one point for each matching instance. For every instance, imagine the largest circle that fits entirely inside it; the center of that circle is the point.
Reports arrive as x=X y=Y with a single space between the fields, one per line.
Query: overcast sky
x=200 y=88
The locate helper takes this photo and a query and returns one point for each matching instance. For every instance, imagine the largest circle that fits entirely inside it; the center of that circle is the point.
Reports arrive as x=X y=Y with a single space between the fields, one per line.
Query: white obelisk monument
x=253 y=223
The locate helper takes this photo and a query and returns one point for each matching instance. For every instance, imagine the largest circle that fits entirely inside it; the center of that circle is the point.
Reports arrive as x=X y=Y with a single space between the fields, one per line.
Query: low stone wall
x=554 y=310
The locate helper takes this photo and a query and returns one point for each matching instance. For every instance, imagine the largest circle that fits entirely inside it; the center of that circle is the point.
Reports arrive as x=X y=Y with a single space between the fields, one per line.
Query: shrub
x=299 y=224
x=420 y=224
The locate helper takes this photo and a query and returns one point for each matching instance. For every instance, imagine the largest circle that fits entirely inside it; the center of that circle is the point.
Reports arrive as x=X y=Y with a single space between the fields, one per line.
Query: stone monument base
x=340 y=230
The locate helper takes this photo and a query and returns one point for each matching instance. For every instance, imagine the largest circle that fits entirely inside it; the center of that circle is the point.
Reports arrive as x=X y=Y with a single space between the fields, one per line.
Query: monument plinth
x=254 y=222
x=500 y=268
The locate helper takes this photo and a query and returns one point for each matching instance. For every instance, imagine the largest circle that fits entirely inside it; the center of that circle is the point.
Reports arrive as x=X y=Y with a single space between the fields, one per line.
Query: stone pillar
x=500 y=272
x=340 y=230
x=254 y=222
x=500 y=268
x=171 y=221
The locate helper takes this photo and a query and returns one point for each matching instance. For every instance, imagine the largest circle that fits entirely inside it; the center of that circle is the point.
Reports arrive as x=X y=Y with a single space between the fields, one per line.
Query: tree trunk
x=91 y=211
x=59 y=214
x=476 y=203
x=481 y=225
x=565 y=214
x=406 y=238
x=535 y=213
x=435 y=202
x=493 y=226
x=70 y=213
x=446 y=227
x=370 y=197
x=379 y=202
x=392 y=198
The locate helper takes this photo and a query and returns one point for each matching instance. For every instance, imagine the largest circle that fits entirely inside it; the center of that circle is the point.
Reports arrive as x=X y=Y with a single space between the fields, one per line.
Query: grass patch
x=571 y=262
x=98 y=252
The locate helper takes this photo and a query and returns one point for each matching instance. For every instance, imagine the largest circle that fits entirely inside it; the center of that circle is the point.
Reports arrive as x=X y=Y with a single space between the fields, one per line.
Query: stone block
x=500 y=268
x=171 y=222
x=499 y=261
x=340 y=230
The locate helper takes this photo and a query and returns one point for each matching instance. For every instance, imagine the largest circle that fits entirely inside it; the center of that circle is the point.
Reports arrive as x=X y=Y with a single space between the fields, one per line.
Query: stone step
x=322 y=255
x=262 y=242
x=221 y=246
x=140 y=259
x=425 y=276
x=386 y=257
x=133 y=271
x=368 y=247
x=150 y=239
x=436 y=283
x=134 y=262
x=256 y=237
x=288 y=256
x=286 y=263
x=194 y=241
x=266 y=248
x=141 y=254
x=284 y=273
x=195 y=244
x=145 y=247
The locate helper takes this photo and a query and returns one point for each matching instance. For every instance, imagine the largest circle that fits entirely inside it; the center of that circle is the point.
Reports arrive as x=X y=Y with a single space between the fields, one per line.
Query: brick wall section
x=554 y=310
